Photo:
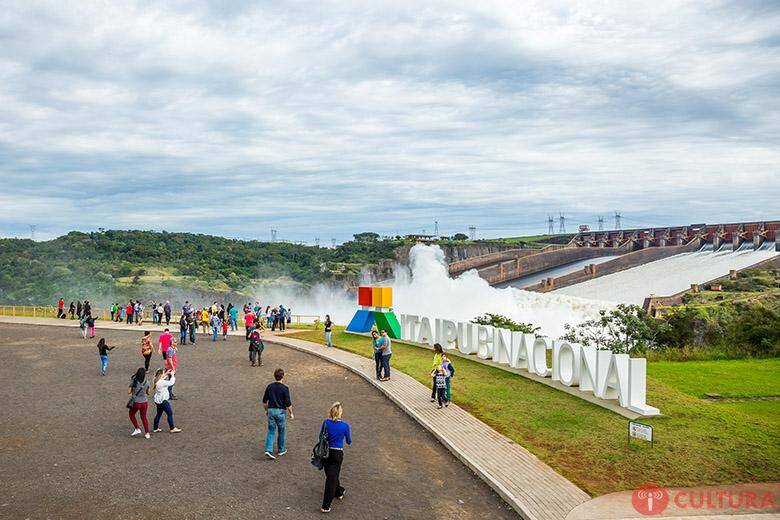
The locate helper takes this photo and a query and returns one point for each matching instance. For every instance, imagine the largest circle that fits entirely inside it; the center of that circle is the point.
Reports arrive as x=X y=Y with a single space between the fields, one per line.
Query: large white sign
x=600 y=372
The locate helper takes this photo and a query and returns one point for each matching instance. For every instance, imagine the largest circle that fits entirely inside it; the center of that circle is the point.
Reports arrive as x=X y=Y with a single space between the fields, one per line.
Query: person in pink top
x=171 y=362
x=164 y=342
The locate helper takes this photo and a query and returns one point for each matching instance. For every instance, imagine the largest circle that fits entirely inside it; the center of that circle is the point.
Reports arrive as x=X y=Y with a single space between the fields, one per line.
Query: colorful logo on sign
x=375 y=309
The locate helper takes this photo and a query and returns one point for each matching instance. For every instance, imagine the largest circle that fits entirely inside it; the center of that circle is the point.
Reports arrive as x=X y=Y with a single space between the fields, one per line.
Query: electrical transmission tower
x=32 y=231
x=435 y=228
x=550 y=225
x=617 y=220
x=273 y=235
x=601 y=223
x=561 y=223
x=472 y=232
x=333 y=242
x=317 y=241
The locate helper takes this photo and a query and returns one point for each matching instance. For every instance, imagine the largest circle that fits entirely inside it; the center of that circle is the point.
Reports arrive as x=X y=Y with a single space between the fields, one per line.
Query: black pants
x=378 y=362
x=167 y=319
x=441 y=396
x=147 y=358
x=433 y=389
x=332 y=469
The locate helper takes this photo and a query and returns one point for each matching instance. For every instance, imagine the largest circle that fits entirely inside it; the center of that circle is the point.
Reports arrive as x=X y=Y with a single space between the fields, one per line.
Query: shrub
x=503 y=322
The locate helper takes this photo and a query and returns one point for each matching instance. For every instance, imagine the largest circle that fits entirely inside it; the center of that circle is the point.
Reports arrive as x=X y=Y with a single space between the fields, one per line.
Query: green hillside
x=117 y=264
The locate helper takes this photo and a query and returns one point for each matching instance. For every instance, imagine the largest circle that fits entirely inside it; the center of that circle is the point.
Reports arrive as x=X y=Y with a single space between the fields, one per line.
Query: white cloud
x=337 y=117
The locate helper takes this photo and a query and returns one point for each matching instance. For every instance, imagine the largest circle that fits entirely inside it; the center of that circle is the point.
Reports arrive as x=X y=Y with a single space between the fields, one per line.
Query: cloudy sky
x=321 y=119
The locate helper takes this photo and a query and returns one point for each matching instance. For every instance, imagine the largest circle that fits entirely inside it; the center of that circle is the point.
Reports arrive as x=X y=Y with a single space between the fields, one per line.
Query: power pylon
x=317 y=241
x=617 y=220
x=562 y=223
x=273 y=235
x=333 y=243
x=550 y=225
x=472 y=232
x=436 y=228
x=601 y=223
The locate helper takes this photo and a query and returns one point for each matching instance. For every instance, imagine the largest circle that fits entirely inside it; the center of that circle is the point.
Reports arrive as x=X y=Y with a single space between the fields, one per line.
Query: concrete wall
x=626 y=261
x=489 y=260
x=457 y=253
x=506 y=270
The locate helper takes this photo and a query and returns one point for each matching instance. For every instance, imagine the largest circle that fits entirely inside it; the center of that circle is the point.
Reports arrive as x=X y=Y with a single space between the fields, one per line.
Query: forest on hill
x=110 y=265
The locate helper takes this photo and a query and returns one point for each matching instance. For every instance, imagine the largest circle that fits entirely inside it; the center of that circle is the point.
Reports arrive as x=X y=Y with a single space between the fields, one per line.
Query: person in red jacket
x=60 y=308
x=129 y=313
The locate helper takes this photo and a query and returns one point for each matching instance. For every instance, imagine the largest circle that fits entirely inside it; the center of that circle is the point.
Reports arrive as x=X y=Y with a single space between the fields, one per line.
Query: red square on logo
x=364 y=296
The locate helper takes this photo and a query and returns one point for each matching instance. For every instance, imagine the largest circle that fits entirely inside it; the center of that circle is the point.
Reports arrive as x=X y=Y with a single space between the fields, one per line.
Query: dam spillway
x=670 y=275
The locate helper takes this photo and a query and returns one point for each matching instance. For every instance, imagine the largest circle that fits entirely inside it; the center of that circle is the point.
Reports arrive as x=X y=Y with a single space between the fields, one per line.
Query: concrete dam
x=627 y=266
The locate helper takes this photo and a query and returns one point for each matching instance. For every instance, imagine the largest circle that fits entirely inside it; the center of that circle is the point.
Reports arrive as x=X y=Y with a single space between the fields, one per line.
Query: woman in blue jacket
x=338 y=432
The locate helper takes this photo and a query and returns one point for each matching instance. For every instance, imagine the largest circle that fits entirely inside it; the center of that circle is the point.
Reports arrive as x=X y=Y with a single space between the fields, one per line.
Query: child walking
x=440 y=383
x=224 y=330
x=449 y=371
x=103 y=351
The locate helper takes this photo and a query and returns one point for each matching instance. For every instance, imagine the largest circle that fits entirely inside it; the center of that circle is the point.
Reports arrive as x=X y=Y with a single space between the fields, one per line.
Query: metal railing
x=50 y=311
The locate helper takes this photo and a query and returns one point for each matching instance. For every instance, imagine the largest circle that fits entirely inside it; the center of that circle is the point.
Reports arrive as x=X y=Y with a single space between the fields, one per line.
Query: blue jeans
x=184 y=337
x=164 y=407
x=193 y=329
x=233 y=324
x=214 y=332
x=277 y=419
x=327 y=338
x=386 y=364
x=103 y=363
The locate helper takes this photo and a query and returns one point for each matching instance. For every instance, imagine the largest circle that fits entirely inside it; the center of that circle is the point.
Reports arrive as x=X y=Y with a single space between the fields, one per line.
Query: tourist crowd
x=217 y=319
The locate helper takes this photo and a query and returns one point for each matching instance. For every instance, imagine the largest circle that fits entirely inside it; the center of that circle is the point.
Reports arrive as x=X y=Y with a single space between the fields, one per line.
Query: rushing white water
x=554 y=272
x=669 y=275
x=428 y=290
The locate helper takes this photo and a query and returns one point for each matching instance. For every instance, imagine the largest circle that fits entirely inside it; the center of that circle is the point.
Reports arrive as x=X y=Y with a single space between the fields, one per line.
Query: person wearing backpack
x=337 y=432
x=256 y=347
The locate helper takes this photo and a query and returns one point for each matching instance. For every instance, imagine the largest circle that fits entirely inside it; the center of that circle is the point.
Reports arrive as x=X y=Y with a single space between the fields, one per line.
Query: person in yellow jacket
x=437 y=353
x=204 y=320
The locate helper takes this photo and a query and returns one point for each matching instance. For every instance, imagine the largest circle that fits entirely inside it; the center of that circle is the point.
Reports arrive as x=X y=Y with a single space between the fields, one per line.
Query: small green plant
x=503 y=322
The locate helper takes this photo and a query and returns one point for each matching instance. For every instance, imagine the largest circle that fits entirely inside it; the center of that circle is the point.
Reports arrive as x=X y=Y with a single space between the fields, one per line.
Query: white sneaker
x=135 y=432
x=147 y=436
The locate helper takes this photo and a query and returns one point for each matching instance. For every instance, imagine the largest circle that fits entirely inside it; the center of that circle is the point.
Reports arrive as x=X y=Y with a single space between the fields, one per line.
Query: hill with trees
x=117 y=264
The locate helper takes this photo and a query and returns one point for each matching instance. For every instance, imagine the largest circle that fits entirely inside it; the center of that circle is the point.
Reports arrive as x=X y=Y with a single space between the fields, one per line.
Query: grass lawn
x=697 y=442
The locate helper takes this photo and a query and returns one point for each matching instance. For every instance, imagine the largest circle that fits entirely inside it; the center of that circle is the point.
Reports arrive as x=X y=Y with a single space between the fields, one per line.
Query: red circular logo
x=650 y=499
